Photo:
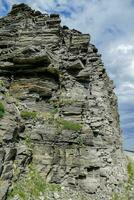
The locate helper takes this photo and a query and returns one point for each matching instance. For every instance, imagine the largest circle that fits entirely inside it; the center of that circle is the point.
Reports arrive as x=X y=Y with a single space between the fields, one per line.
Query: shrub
x=2 y=110
x=28 y=114
x=31 y=187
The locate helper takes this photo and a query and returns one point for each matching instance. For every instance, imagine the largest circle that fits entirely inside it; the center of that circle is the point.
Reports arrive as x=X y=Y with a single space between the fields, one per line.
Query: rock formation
x=58 y=110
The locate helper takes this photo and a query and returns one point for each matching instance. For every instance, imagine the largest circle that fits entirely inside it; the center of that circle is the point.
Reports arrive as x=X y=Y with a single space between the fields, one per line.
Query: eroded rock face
x=60 y=108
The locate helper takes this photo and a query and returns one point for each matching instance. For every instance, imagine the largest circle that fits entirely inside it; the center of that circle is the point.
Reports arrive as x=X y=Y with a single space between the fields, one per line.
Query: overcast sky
x=111 y=25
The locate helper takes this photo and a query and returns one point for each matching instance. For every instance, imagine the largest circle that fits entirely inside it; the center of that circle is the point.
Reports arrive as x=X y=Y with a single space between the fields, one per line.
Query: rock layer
x=60 y=108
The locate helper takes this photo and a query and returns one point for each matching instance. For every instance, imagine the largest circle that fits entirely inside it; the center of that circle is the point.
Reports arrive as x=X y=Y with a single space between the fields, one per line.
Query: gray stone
x=90 y=184
x=84 y=74
x=74 y=138
x=4 y=186
x=10 y=154
x=76 y=65
x=72 y=110
x=2 y=154
x=7 y=167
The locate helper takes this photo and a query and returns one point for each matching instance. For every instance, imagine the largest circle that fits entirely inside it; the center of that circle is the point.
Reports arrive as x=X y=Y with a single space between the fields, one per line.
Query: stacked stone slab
x=57 y=73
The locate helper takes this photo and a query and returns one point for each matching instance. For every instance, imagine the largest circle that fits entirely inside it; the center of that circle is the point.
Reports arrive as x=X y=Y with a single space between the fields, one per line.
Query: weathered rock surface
x=60 y=109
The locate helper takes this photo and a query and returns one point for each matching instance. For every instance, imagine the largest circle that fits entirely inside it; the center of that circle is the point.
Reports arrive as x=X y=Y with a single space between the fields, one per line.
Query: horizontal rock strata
x=60 y=109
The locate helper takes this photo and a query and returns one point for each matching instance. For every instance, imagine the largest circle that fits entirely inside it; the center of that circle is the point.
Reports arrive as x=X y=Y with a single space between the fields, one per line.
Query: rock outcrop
x=59 y=109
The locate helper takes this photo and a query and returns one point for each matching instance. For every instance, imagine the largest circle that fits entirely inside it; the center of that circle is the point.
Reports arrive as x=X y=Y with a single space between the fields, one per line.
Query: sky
x=111 y=26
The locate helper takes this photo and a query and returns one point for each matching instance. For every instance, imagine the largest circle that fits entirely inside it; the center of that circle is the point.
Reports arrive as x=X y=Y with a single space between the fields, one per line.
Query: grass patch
x=128 y=193
x=50 y=116
x=130 y=169
x=69 y=125
x=32 y=186
x=29 y=114
x=54 y=111
x=59 y=122
x=80 y=141
x=1 y=83
x=28 y=142
x=2 y=110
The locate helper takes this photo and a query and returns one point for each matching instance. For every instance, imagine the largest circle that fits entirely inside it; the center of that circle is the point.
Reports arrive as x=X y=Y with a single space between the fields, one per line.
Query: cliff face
x=58 y=110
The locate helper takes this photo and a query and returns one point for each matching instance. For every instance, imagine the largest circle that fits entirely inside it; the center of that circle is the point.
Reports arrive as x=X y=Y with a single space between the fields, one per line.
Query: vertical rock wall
x=60 y=109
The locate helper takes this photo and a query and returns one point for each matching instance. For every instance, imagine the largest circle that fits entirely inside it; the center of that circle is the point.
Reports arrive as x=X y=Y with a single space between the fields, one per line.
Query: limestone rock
x=4 y=186
x=60 y=111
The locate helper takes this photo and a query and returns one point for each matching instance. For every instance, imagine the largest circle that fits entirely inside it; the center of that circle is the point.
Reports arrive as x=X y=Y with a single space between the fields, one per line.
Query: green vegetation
x=29 y=114
x=16 y=170
x=2 y=110
x=80 y=141
x=32 y=186
x=28 y=142
x=59 y=122
x=130 y=185
x=54 y=111
x=50 y=116
x=1 y=83
x=69 y=125
x=130 y=169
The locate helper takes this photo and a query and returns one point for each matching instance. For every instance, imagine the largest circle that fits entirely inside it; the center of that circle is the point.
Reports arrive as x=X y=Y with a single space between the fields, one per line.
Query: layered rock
x=61 y=111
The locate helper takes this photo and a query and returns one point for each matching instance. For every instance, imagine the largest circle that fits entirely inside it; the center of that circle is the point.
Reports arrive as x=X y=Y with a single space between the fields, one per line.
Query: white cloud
x=123 y=49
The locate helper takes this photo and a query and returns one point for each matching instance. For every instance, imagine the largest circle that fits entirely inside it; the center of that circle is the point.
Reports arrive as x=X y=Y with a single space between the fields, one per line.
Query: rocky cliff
x=58 y=112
